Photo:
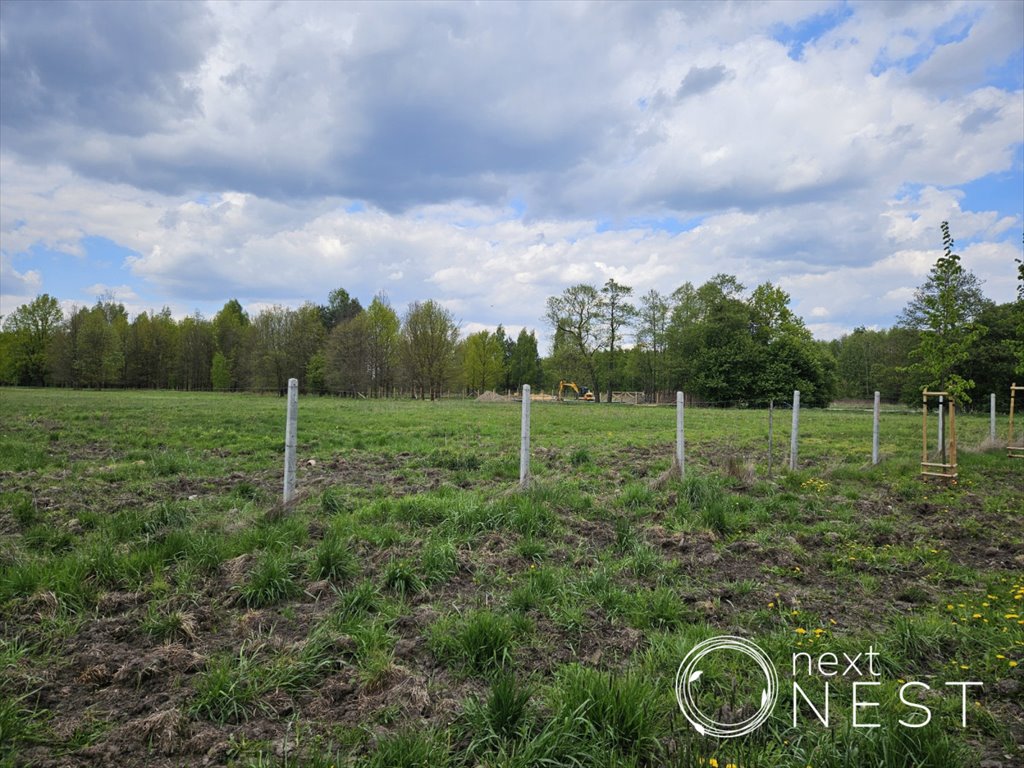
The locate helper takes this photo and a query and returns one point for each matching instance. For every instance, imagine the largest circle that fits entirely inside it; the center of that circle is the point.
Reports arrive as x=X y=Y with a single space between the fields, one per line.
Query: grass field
x=159 y=607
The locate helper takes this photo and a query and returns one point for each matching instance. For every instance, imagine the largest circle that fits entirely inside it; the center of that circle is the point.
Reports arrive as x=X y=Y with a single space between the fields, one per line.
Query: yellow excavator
x=582 y=393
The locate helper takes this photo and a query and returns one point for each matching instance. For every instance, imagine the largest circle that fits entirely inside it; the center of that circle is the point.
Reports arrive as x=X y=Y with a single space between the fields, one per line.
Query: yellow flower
x=1013 y=663
x=976 y=616
x=713 y=763
x=949 y=607
x=800 y=631
x=1000 y=656
x=1011 y=616
x=771 y=605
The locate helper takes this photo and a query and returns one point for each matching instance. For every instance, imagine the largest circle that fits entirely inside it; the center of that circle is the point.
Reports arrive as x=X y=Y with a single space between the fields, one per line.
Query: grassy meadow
x=413 y=607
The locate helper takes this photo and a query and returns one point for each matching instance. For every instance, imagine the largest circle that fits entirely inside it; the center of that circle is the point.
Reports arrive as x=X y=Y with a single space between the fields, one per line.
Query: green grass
x=482 y=641
x=471 y=623
x=233 y=687
x=333 y=559
x=272 y=579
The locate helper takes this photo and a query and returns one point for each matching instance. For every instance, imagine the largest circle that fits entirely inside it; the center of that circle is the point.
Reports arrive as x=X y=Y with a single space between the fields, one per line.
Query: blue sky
x=488 y=156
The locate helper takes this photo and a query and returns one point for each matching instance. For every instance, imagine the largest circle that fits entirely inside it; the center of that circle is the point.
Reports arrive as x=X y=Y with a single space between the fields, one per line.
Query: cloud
x=490 y=155
x=124 y=294
x=17 y=288
x=409 y=105
x=702 y=79
x=119 y=68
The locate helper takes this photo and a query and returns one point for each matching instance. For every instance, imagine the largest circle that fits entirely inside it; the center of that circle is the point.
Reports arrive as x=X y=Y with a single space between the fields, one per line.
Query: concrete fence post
x=290 y=438
x=874 y=431
x=794 y=432
x=992 y=418
x=524 y=439
x=680 y=434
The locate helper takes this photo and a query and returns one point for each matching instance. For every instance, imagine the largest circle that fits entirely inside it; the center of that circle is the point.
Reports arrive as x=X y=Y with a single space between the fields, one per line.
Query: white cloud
x=123 y=294
x=474 y=154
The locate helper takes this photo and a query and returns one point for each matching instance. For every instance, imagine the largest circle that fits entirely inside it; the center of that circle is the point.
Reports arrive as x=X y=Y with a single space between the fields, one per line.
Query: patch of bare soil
x=372 y=472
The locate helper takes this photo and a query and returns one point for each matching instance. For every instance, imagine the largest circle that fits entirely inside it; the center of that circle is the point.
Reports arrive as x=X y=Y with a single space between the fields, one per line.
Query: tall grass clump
x=482 y=641
x=333 y=559
x=409 y=749
x=620 y=712
x=271 y=580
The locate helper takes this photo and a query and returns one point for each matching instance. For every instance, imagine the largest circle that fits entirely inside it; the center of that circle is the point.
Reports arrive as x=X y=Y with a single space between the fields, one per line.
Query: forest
x=719 y=342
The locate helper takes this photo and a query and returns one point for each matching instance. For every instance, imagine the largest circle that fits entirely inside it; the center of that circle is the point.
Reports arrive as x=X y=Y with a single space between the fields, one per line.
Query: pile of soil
x=492 y=397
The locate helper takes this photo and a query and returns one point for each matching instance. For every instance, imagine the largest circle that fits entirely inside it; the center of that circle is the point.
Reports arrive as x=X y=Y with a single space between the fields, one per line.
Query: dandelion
x=1011 y=616
x=800 y=631
x=976 y=616
x=1013 y=663
x=771 y=605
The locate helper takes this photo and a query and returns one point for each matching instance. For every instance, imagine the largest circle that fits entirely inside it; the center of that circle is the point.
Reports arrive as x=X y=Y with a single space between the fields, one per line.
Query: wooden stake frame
x=1014 y=451
x=933 y=468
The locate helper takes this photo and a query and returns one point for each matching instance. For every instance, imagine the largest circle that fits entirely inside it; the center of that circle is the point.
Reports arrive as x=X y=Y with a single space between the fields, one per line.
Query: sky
x=489 y=155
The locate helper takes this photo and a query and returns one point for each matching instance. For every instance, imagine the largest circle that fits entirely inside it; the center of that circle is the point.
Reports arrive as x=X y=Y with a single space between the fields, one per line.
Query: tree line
x=338 y=347
x=717 y=341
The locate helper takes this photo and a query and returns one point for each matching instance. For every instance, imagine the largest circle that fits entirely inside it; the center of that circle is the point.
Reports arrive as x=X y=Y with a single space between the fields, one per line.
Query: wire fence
x=752 y=440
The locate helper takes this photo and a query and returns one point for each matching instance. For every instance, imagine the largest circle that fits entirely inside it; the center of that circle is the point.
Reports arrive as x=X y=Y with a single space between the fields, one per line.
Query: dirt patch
x=493 y=397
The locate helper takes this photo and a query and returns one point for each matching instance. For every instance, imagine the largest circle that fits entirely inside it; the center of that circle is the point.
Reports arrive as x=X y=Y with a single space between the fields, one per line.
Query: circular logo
x=690 y=673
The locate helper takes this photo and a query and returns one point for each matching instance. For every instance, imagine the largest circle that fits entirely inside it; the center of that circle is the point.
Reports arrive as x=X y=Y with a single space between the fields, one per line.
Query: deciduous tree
x=429 y=338
x=382 y=342
x=945 y=310
x=651 y=340
x=32 y=327
x=617 y=314
x=524 y=365
x=483 y=360
x=576 y=317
